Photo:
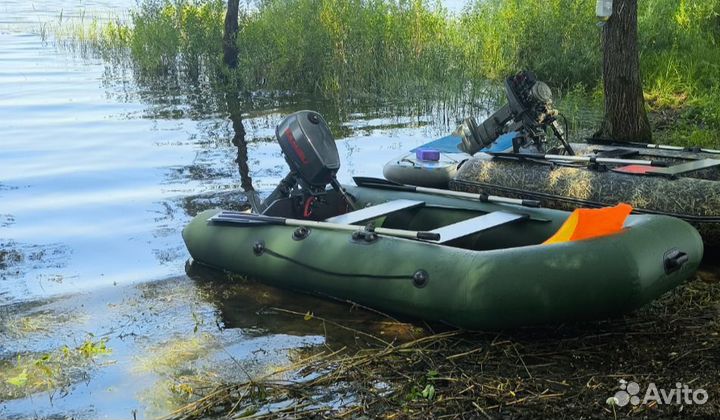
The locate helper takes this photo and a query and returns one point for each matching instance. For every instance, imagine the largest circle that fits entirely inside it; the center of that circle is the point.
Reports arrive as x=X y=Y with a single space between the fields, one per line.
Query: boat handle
x=674 y=260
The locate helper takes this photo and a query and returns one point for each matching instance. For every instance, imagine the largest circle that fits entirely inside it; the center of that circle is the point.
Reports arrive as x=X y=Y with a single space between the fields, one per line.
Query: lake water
x=99 y=315
x=95 y=181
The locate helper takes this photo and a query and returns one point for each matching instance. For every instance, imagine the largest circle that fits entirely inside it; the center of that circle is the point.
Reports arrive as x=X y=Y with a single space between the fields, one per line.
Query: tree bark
x=625 y=117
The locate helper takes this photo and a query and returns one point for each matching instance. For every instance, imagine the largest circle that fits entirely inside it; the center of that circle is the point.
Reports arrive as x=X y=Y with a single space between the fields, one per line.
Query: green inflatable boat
x=490 y=268
x=476 y=262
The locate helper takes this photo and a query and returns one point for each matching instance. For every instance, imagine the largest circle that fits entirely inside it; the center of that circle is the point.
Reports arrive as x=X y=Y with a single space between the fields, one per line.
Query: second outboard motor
x=311 y=154
x=529 y=110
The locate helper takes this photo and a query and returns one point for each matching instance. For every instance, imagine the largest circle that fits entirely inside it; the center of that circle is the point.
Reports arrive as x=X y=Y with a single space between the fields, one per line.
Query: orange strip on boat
x=591 y=223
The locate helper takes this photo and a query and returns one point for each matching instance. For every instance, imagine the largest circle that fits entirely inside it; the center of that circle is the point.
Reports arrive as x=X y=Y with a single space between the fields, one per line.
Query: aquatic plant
x=180 y=365
x=176 y=354
x=350 y=49
x=414 y=51
x=31 y=373
x=15 y=326
x=175 y=38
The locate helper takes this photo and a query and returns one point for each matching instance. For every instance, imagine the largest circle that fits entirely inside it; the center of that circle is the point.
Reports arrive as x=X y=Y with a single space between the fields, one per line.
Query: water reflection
x=249 y=305
x=18 y=260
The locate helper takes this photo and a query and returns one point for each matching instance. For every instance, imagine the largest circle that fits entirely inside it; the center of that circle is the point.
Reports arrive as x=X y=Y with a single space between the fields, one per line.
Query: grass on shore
x=568 y=371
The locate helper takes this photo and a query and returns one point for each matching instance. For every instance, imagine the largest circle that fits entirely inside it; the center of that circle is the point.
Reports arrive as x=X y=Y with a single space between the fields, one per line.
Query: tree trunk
x=230 y=51
x=232 y=101
x=625 y=117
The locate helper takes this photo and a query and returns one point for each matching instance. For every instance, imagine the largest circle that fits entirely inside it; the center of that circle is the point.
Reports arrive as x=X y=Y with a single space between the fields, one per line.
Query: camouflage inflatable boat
x=687 y=186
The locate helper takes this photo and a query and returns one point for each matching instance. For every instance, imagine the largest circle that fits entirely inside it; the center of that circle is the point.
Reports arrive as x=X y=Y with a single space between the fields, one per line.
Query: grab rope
x=335 y=273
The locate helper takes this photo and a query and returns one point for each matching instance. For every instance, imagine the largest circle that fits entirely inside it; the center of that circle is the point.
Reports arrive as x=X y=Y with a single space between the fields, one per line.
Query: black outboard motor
x=311 y=153
x=529 y=110
x=309 y=148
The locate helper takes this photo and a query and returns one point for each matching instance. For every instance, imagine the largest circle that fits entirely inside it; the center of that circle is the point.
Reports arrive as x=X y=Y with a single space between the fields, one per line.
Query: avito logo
x=629 y=393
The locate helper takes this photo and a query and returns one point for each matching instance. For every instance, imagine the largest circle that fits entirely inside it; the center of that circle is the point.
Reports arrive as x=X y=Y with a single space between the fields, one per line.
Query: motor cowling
x=309 y=147
x=310 y=151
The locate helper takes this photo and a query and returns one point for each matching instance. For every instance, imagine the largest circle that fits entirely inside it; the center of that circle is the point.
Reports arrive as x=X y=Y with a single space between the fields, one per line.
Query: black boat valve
x=259 y=248
x=420 y=278
x=301 y=233
x=673 y=260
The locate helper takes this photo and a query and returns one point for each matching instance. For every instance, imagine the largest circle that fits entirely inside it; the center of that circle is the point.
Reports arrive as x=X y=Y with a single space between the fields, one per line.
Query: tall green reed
x=414 y=50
